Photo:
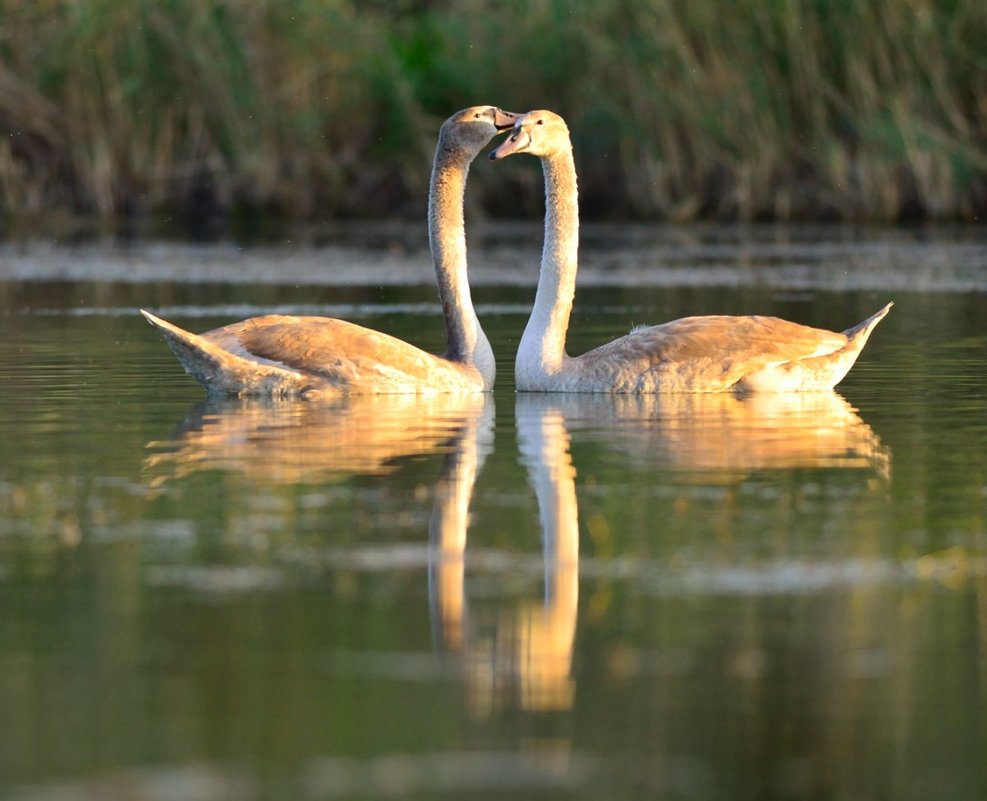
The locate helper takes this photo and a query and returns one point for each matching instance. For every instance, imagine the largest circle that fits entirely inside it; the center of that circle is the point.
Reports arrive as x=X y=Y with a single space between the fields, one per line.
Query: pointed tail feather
x=817 y=373
x=840 y=362
x=217 y=369
x=863 y=329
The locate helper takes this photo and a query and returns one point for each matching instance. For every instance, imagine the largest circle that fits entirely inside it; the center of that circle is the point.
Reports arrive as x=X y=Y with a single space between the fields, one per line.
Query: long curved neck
x=466 y=342
x=541 y=352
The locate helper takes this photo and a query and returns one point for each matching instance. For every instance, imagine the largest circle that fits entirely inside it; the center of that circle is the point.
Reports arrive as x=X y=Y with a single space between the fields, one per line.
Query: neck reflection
x=523 y=655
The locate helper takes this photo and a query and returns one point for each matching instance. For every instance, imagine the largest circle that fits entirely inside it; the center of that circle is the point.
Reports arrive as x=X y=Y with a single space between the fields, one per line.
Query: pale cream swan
x=279 y=355
x=694 y=354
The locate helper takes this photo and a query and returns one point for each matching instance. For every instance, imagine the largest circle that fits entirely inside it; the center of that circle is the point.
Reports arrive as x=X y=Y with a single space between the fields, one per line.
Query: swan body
x=715 y=353
x=280 y=355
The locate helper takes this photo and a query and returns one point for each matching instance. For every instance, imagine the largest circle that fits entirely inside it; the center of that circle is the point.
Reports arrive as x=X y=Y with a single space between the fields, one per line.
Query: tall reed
x=754 y=109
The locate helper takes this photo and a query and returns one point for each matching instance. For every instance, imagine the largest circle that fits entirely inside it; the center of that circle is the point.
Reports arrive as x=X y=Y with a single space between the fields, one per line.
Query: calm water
x=505 y=596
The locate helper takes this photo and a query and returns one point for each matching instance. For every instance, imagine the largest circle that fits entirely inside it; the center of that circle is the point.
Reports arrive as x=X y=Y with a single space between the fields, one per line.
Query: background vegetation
x=752 y=109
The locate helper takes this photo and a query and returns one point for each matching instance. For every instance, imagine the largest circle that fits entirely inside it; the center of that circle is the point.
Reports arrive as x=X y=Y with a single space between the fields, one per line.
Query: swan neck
x=542 y=348
x=466 y=342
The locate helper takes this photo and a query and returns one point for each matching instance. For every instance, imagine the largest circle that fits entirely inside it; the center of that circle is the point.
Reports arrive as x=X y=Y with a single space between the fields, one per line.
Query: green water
x=508 y=596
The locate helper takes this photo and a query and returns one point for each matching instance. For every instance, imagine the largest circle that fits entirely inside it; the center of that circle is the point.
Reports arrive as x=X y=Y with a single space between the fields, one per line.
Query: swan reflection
x=521 y=655
x=548 y=632
x=516 y=654
x=723 y=436
x=292 y=442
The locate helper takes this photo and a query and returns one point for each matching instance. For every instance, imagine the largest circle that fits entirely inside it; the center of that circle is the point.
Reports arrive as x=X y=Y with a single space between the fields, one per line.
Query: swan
x=279 y=355
x=694 y=354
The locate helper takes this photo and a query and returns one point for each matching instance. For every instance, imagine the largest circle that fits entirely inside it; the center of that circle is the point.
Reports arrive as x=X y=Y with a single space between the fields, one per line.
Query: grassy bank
x=754 y=109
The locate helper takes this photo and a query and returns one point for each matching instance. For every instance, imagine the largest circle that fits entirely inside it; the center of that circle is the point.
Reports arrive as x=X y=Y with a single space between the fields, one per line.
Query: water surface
x=501 y=596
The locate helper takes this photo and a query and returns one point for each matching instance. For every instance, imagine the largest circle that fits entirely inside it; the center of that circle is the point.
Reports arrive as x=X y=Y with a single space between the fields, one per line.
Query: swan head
x=471 y=129
x=538 y=133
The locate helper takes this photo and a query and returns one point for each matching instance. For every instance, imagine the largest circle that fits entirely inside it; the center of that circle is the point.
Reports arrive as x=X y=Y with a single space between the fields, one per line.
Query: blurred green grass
x=303 y=109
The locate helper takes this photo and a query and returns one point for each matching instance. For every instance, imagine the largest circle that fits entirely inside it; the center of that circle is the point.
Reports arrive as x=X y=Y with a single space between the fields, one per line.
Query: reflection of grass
x=741 y=110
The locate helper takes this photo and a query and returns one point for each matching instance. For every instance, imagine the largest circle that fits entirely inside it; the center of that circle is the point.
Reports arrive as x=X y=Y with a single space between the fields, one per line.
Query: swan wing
x=344 y=355
x=709 y=353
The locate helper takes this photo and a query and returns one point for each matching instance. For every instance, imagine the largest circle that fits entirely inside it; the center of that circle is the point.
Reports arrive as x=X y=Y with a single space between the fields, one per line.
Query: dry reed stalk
x=747 y=110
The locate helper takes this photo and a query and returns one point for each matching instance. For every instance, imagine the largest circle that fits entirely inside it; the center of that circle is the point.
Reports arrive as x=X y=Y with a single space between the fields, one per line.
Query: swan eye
x=477 y=115
x=541 y=122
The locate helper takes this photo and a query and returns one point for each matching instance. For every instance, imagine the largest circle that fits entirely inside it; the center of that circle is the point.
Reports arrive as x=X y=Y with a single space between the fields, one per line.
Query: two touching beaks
x=527 y=137
x=516 y=142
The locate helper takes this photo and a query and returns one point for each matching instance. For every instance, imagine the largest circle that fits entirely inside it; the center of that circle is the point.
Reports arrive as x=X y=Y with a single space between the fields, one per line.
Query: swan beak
x=504 y=120
x=517 y=142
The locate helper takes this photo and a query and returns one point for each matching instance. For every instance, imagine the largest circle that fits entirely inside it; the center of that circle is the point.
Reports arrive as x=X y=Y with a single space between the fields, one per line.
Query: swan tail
x=815 y=373
x=825 y=372
x=223 y=372
x=863 y=330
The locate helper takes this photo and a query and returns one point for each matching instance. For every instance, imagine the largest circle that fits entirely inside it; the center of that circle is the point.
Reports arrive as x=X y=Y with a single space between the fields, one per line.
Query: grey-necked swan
x=286 y=355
